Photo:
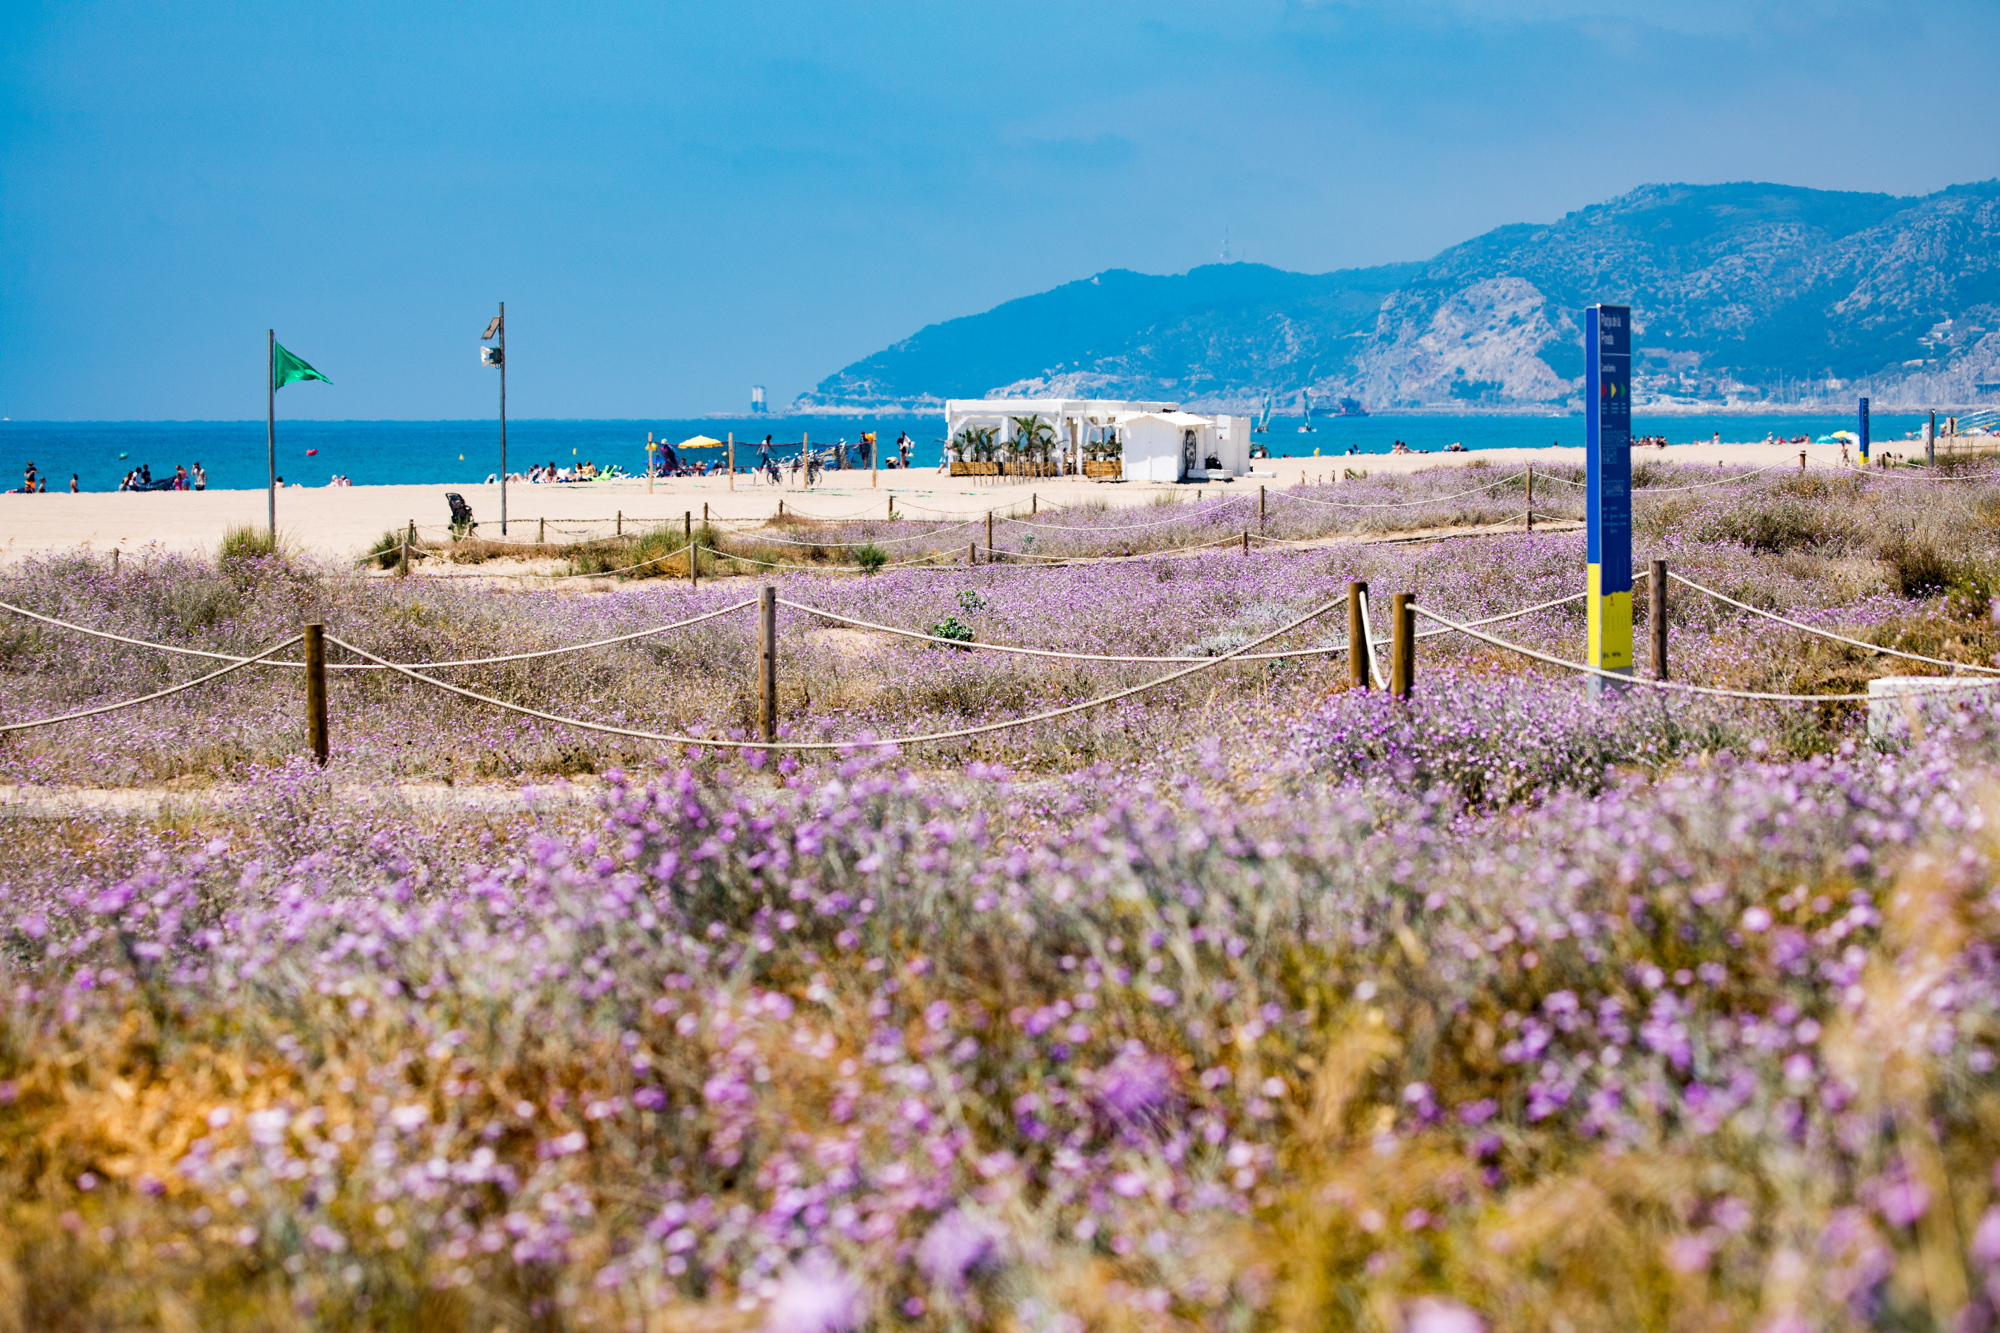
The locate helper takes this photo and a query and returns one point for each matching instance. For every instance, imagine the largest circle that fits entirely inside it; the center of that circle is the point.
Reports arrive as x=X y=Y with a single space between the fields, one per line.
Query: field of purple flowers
x=1253 y=1001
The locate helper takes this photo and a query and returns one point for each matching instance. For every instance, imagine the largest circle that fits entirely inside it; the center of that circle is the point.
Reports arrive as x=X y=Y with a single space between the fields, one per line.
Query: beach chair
x=461 y=515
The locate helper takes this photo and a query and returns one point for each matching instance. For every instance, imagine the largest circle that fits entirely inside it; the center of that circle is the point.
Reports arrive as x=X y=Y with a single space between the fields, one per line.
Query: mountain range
x=1742 y=295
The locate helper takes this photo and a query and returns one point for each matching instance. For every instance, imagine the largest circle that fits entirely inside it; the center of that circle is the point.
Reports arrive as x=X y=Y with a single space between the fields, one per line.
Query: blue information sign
x=1863 y=431
x=1607 y=376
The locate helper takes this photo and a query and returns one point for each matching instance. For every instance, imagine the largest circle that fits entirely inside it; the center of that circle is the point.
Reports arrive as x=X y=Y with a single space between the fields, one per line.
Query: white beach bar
x=1157 y=442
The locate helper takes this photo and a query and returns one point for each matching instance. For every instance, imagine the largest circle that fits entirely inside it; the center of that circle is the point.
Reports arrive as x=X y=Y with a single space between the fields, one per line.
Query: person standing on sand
x=200 y=478
x=28 y=478
x=73 y=487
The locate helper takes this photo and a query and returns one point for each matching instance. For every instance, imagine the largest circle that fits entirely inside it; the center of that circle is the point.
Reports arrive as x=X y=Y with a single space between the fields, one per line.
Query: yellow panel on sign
x=1610 y=626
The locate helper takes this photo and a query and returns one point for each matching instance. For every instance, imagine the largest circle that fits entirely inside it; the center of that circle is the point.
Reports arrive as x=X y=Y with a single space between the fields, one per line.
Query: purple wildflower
x=817 y=1295
x=959 y=1246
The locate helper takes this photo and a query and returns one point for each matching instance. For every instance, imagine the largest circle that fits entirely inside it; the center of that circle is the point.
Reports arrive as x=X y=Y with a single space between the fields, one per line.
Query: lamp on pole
x=497 y=356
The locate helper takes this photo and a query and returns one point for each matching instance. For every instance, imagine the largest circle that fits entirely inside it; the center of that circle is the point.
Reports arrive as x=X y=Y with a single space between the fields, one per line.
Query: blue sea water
x=444 y=452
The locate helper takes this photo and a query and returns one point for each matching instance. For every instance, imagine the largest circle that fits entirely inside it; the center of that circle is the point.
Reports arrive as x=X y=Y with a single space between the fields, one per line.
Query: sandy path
x=341 y=522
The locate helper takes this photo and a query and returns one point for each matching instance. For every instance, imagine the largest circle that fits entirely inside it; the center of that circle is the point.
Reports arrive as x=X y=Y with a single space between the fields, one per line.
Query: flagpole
x=271 y=425
x=503 y=418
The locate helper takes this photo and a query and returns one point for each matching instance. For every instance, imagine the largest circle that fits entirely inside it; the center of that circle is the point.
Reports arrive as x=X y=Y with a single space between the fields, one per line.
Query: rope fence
x=957 y=733
x=1398 y=679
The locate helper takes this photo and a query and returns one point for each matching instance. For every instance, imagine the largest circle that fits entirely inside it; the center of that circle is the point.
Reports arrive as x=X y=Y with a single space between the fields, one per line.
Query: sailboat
x=1263 y=425
x=1308 y=428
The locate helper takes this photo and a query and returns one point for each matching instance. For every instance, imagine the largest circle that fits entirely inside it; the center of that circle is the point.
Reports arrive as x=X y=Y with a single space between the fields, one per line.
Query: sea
x=100 y=453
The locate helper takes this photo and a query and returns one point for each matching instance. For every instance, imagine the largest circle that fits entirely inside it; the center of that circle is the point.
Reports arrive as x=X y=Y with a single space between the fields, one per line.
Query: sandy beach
x=341 y=522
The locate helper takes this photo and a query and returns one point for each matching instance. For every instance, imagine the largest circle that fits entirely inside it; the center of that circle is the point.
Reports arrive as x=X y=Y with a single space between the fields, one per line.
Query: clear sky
x=678 y=200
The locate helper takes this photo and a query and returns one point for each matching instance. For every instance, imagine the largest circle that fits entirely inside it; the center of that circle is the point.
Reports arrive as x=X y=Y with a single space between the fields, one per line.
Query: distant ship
x=1350 y=407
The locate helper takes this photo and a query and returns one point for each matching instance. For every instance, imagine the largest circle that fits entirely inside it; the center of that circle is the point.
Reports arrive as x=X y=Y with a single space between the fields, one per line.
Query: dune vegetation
x=1250 y=1000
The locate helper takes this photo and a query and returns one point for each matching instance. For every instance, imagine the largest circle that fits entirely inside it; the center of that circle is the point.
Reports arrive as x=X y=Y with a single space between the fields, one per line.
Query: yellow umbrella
x=699 y=442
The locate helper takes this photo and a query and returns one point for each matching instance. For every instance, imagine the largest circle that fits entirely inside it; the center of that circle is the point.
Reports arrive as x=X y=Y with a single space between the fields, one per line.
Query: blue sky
x=680 y=200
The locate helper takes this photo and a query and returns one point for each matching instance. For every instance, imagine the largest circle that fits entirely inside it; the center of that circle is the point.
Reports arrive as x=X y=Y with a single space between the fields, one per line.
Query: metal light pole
x=497 y=356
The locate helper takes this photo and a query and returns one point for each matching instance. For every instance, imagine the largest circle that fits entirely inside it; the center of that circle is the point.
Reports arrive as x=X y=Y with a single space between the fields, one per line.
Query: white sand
x=344 y=521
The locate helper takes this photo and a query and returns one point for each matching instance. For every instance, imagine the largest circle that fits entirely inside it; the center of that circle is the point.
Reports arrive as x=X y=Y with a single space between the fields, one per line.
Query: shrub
x=1773 y=525
x=951 y=627
x=1916 y=563
x=1498 y=742
x=871 y=558
x=388 y=549
x=244 y=542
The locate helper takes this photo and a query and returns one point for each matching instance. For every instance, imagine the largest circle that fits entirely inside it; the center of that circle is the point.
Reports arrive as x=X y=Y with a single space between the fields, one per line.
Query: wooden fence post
x=1531 y=497
x=971 y=554
x=767 y=663
x=704 y=513
x=731 y=463
x=403 y=559
x=1260 y=509
x=989 y=536
x=1656 y=617
x=892 y=509
x=1802 y=460
x=619 y=529
x=541 y=532
x=1034 y=504
x=316 y=692
x=687 y=525
x=1403 y=648
x=1357 y=637
x=1246 y=541
x=115 y=553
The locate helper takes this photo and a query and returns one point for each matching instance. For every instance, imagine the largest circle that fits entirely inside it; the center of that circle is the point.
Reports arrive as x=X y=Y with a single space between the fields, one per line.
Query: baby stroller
x=462 y=525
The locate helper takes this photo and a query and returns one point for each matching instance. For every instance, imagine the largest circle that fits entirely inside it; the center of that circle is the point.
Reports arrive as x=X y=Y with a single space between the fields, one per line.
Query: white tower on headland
x=757 y=399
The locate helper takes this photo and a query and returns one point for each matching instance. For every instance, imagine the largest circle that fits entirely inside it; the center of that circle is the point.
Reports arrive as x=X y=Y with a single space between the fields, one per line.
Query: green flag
x=286 y=368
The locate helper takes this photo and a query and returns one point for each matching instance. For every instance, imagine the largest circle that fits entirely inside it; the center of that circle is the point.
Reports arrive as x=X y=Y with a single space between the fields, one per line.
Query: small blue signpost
x=1607 y=377
x=1862 y=430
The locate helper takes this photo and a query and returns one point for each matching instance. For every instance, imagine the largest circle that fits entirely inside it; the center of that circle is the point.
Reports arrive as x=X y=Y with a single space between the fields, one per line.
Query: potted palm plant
x=1034 y=438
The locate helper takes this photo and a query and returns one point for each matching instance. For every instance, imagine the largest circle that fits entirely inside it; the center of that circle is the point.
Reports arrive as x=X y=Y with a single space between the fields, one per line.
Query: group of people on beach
x=34 y=483
x=550 y=474
x=140 y=478
x=834 y=457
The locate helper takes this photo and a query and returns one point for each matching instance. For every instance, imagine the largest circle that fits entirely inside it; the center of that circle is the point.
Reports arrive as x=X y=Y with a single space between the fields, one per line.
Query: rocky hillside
x=1743 y=294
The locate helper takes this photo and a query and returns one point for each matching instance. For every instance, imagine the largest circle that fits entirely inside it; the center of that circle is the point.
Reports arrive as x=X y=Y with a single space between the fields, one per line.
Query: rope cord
x=1637 y=491
x=157 y=694
x=955 y=734
x=1368 y=642
x=122 y=638
x=349 y=666
x=1673 y=686
x=1230 y=540
x=953 y=513
x=1397 y=504
x=880 y=541
x=1196 y=513
x=1827 y=634
x=601 y=574
x=1045 y=652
